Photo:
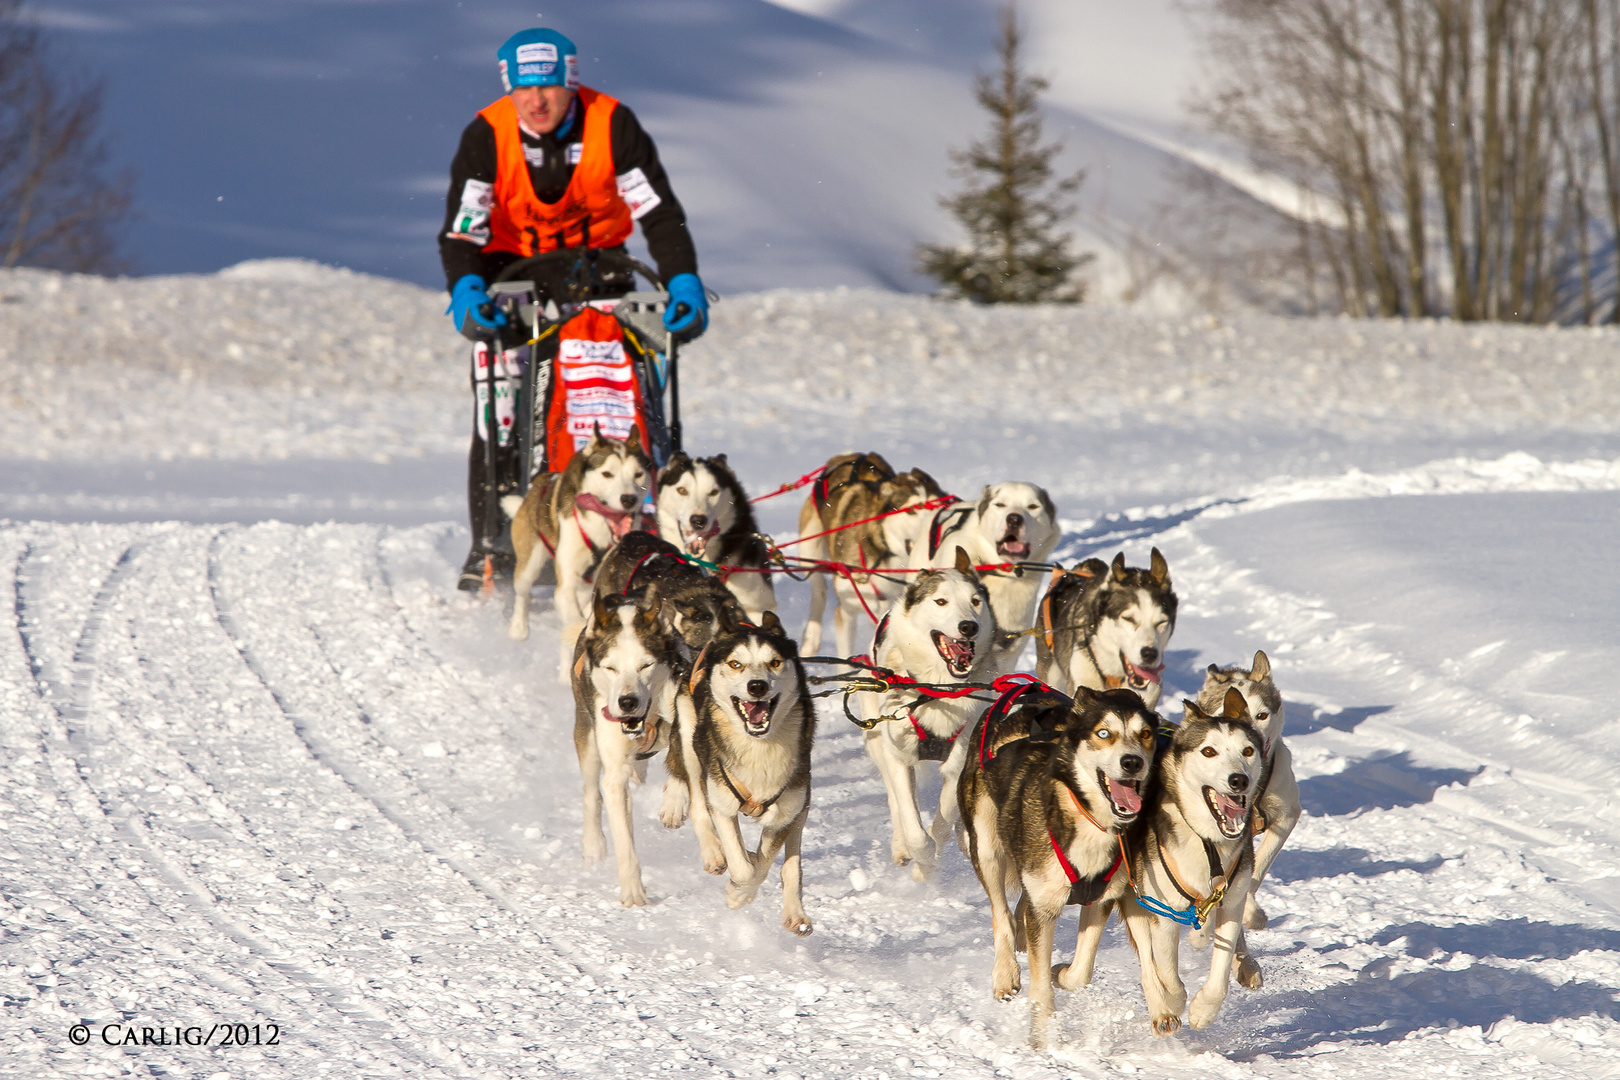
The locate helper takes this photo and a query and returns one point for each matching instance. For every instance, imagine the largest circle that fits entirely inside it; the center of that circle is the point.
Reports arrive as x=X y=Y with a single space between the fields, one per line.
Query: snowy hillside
x=260 y=772
x=807 y=150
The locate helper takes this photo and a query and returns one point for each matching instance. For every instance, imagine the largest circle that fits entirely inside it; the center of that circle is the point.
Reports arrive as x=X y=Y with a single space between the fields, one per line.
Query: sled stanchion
x=674 y=398
x=492 y=504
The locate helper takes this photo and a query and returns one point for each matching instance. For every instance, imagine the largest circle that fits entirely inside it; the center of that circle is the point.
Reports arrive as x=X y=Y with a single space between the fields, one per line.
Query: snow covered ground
x=260 y=767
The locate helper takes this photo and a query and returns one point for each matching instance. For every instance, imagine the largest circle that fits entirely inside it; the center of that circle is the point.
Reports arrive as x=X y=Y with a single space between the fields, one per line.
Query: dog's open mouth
x=1124 y=795
x=1229 y=813
x=1138 y=677
x=1012 y=545
x=698 y=541
x=755 y=713
x=956 y=652
x=631 y=725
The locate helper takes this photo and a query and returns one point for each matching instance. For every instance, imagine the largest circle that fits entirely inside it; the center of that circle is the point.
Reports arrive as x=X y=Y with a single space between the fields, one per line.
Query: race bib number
x=637 y=192
x=472 y=217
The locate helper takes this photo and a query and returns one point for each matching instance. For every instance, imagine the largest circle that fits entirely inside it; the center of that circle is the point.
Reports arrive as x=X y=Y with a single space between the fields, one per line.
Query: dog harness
x=947 y=520
x=1087 y=890
x=749 y=805
x=1058 y=574
x=1198 y=907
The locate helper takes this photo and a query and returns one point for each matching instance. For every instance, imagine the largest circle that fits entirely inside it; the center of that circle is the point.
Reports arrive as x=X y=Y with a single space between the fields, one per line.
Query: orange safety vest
x=590 y=213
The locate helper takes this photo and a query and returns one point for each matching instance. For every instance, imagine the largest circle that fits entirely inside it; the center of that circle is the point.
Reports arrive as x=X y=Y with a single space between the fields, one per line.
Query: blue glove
x=688 y=304
x=467 y=296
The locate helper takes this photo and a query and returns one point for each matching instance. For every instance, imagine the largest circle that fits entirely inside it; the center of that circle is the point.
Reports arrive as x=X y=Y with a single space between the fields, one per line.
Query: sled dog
x=1276 y=802
x=705 y=511
x=1104 y=627
x=1193 y=852
x=856 y=488
x=623 y=685
x=573 y=517
x=1011 y=522
x=745 y=731
x=939 y=632
x=693 y=605
x=1043 y=812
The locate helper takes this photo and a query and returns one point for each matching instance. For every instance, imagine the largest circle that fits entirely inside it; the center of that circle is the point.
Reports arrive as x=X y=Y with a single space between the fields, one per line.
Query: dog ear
x=1047 y=504
x=1160 y=569
x=1191 y=711
x=1215 y=670
x=929 y=485
x=963 y=563
x=984 y=500
x=1119 y=567
x=1262 y=666
x=720 y=459
x=676 y=465
x=772 y=625
x=648 y=616
x=1235 y=707
x=596 y=431
x=599 y=610
x=634 y=437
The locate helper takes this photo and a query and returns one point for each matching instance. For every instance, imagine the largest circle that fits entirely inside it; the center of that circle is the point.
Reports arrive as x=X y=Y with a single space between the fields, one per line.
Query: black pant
x=506 y=483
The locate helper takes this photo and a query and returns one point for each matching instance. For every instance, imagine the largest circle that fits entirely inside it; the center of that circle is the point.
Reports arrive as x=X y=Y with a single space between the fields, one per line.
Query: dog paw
x=1254 y=916
x=738 y=895
x=797 y=923
x=1203 y=1010
x=671 y=819
x=633 y=896
x=1068 y=976
x=1166 y=1024
x=518 y=631
x=714 y=864
x=1004 y=986
x=1249 y=975
x=595 y=850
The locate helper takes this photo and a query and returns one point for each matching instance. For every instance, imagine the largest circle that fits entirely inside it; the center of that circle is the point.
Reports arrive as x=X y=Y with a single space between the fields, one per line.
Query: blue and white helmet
x=538 y=57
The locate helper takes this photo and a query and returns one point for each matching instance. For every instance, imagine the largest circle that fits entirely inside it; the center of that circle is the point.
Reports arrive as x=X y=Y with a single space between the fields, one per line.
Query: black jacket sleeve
x=460 y=253
x=664 y=226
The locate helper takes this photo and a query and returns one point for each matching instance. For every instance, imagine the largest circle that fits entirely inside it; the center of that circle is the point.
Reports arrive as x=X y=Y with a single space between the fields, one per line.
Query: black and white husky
x=703 y=509
x=1012 y=522
x=574 y=517
x=940 y=632
x=1193 y=854
x=624 y=675
x=1276 y=805
x=1103 y=627
x=746 y=728
x=1047 y=789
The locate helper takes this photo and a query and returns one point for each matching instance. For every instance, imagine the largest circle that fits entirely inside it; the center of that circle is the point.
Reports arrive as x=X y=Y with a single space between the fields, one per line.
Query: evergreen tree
x=1011 y=207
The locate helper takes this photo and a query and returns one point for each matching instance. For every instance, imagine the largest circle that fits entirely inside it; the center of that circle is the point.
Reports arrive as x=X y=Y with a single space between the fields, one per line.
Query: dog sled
x=583 y=350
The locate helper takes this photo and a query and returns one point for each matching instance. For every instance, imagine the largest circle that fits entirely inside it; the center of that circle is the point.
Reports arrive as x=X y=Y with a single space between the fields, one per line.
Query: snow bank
x=282 y=358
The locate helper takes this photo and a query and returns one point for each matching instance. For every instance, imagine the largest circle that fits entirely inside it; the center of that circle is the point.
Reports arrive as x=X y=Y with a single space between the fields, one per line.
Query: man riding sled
x=551 y=165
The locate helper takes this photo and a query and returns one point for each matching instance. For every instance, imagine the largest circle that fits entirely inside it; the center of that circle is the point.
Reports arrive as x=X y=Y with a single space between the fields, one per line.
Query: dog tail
x=510 y=504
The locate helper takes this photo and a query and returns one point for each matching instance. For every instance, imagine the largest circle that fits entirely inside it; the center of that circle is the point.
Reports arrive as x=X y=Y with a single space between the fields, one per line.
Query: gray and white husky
x=1012 y=522
x=853 y=490
x=574 y=517
x=623 y=680
x=1192 y=851
x=1043 y=813
x=941 y=631
x=703 y=510
x=746 y=729
x=1276 y=805
x=1103 y=627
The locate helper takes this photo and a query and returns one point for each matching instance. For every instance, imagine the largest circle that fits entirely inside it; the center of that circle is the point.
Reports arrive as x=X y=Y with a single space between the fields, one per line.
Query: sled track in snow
x=70 y=700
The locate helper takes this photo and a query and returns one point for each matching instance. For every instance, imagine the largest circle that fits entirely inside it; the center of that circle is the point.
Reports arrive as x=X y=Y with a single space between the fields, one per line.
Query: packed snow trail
x=278 y=774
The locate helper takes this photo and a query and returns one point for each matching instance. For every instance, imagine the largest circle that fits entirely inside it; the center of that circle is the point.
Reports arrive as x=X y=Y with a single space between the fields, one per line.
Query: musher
x=550 y=165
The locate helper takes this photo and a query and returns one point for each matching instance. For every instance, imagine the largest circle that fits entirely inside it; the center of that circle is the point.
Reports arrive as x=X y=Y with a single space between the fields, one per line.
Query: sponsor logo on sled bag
x=597 y=384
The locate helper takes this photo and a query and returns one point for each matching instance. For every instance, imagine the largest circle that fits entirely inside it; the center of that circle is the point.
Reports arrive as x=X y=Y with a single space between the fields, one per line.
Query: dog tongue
x=1230 y=810
x=1014 y=547
x=1147 y=674
x=755 y=711
x=1125 y=797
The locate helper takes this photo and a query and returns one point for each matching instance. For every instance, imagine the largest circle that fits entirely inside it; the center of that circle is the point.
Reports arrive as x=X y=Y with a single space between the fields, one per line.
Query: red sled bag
x=595 y=385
